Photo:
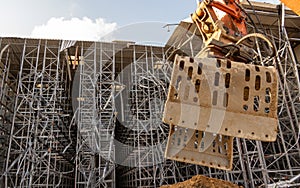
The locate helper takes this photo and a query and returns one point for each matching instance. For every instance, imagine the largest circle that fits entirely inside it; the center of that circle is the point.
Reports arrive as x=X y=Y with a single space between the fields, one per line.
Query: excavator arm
x=222 y=25
x=226 y=91
x=209 y=12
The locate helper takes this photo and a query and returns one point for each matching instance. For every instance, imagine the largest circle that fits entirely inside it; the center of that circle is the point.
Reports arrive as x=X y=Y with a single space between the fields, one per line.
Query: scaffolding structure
x=35 y=114
x=88 y=114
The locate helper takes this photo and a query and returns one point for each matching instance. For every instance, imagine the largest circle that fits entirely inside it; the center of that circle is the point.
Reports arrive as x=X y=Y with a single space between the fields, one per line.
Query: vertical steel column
x=11 y=160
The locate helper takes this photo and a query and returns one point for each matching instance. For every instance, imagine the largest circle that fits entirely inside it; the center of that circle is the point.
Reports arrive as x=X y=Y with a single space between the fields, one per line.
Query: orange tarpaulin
x=292 y=4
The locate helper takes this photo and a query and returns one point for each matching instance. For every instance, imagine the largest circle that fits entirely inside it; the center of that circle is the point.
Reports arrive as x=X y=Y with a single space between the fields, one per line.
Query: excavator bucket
x=212 y=100
x=198 y=147
x=224 y=97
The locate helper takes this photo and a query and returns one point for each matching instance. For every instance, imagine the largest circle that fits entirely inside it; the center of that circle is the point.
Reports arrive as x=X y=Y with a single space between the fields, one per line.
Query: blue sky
x=37 y=18
x=21 y=16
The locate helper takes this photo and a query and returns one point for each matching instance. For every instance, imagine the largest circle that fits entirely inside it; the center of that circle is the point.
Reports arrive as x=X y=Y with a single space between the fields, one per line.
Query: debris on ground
x=200 y=181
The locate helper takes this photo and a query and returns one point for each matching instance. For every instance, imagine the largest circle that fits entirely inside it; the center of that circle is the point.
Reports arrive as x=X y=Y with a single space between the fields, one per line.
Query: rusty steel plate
x=198 y=147
x=223 y=97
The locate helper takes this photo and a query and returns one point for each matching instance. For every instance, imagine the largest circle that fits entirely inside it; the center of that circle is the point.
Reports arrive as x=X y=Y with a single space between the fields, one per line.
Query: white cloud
x=73 y=29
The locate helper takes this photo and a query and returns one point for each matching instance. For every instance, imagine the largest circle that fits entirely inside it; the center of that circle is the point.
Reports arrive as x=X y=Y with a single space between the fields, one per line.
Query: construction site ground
x=200 y=181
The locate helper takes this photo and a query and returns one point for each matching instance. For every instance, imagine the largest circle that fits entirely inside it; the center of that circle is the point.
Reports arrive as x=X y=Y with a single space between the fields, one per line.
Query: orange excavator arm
x=225 y=91
x=220 y=22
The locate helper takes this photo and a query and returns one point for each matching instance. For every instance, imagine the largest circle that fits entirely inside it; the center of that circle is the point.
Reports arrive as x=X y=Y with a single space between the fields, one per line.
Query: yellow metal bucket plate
x=198 y=147
x=223 y=97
